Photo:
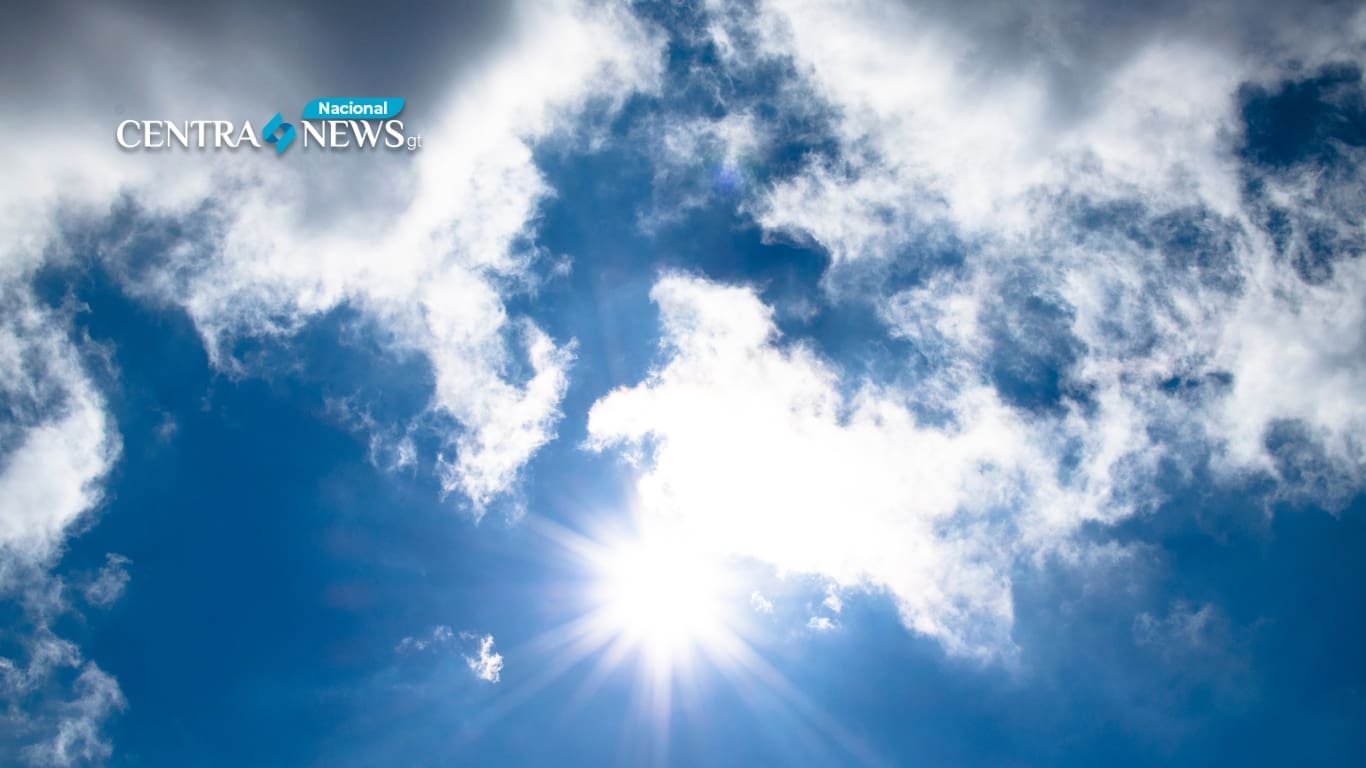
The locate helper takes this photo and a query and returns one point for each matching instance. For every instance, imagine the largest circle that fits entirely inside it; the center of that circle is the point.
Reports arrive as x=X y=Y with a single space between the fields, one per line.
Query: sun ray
x=652 y=600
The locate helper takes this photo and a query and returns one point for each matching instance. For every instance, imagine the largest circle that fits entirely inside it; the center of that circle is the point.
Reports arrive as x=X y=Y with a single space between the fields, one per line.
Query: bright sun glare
x=657 y=599
x=662 y=597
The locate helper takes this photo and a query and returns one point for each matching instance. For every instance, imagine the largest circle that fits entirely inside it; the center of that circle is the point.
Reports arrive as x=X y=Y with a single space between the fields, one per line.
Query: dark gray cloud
x=101 y=58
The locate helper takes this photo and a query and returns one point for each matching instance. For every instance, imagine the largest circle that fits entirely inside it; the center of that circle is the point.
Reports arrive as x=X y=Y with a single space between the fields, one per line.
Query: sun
x=651 y=593
x=662 y=596
x=650 y=596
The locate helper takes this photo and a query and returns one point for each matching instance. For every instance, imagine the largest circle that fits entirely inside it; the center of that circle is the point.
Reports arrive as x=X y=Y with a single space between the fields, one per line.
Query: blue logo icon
x=278 y=125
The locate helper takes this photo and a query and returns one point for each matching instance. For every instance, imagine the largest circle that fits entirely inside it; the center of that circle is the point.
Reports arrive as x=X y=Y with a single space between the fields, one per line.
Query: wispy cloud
x=108 y=585
x=485 y=663
x=475 y=648
x=821 y=624
x=79 y=738
x=439 y=636
x=760 y=603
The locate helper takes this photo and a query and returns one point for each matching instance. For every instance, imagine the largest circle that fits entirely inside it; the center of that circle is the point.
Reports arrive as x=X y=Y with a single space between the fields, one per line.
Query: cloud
x=760 y=603
x=108 y=586
x=58 y=443
x=762 y=450
x=1184 y=628
x=439 y=636
x=78 y=738
x=1137 y=234
x=485 y=664
x=46 y=652
x=821 y=624
x=482 y=660
x=698 y=160
x=958 y=115
x=427 y=246
x=432 y=268
x=57 y=731
x=1103 y=262
x=833 y=602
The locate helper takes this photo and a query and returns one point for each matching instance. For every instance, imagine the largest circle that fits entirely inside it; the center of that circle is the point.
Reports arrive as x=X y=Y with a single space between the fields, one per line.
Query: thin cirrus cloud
x=108 y=585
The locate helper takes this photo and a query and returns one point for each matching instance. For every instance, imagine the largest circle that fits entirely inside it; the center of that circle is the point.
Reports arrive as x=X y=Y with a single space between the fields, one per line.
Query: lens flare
x=652 y=598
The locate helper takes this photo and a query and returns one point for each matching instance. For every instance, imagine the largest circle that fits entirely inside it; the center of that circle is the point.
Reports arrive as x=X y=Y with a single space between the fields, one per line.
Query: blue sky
x=722 y=383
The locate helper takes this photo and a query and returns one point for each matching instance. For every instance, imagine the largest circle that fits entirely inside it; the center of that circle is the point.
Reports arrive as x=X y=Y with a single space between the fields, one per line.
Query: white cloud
x=482 y=660
x=426 y=246
x=439 y=636
x=434 y=271
x=1186 y=631
x=108 y=586
x=486 y=664
x=949 y=138
x=78 y=739
x=69 y=730
x=955 y=124
x=761 y=450
x=964 y=117
x=820 y=624
x=833 y=602
x=59 y=443
x=46 y=652
x=759 y=603
x=698 y=159
x=1297 y=351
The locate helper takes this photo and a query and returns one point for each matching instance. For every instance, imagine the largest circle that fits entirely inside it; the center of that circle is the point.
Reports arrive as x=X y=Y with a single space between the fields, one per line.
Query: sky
x=724 y=382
